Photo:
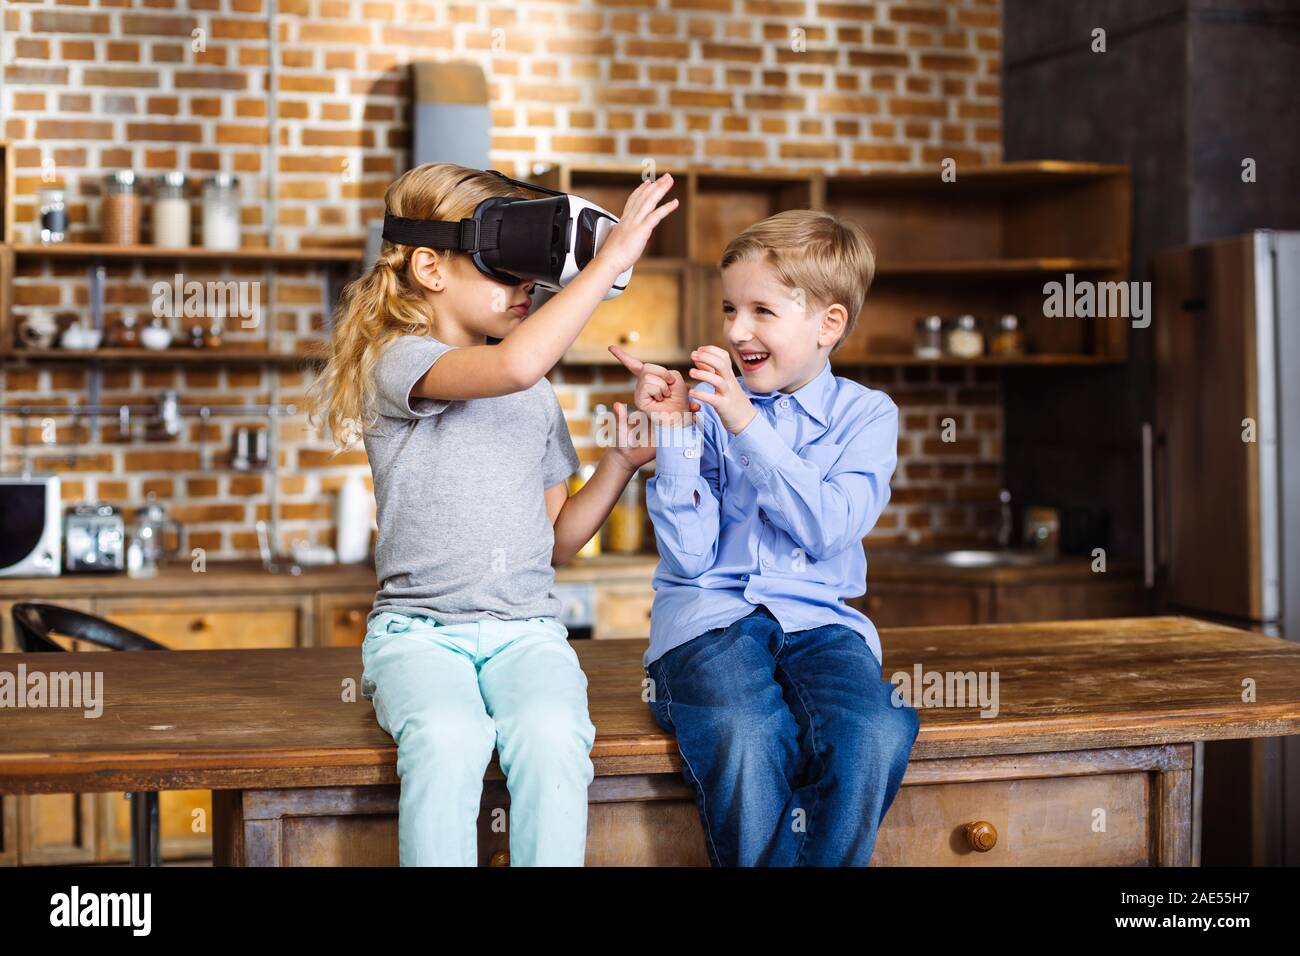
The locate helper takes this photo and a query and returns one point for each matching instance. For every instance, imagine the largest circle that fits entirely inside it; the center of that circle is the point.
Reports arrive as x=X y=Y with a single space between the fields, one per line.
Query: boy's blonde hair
x=383 y=304
x=831 y=259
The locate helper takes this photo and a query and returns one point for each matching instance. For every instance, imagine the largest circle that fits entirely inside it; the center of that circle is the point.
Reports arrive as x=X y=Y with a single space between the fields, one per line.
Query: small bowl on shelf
x=156 y=337
x=78 y=338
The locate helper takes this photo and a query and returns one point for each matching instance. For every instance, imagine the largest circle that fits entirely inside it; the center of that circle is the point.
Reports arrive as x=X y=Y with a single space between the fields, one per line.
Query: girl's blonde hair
x=384 y=304
x=831 y=260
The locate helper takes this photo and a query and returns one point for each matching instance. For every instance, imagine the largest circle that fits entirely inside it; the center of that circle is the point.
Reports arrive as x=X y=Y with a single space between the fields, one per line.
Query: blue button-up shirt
x=774 y=515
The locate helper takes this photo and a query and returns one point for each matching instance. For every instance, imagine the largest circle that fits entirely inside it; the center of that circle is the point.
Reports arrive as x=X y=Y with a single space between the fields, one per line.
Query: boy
x=771 y=683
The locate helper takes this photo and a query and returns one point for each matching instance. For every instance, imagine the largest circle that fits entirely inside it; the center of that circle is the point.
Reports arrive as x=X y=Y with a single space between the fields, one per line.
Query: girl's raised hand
x=627 y=240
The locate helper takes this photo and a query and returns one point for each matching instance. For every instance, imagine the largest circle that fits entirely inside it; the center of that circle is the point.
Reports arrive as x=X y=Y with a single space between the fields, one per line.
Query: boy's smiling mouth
x=751 y=359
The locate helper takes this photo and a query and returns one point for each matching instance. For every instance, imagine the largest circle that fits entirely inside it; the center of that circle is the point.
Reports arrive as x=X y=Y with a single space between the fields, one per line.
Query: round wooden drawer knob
x=630 y=337
x=873 y=603
x=353 y=616
x=198 y=624
x=981 y=836
x=500 y=858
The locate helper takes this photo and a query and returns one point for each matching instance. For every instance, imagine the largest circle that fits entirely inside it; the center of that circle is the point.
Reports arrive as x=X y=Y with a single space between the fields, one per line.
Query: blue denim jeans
x=448 y=694
x=792 y=743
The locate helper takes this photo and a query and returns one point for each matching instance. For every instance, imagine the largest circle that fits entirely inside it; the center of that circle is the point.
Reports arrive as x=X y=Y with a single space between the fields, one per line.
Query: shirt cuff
x=677 y=450
x=757 y=449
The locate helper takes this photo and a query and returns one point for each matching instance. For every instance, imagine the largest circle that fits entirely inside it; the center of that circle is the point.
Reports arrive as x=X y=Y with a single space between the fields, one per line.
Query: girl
x=469 y=454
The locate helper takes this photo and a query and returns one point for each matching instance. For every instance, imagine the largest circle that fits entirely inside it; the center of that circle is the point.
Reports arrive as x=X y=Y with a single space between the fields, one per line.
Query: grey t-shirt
x=463 y=529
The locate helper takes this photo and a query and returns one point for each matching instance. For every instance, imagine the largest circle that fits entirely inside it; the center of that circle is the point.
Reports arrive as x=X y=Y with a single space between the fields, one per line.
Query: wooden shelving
x=82 y=251
x=984 y=244
x=171 y=356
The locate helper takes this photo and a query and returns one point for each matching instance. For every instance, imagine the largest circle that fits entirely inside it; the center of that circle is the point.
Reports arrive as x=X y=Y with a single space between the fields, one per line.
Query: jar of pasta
x=120 y=213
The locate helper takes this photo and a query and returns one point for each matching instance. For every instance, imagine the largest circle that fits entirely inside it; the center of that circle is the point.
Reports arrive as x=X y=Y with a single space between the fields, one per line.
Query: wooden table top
x=278 y=718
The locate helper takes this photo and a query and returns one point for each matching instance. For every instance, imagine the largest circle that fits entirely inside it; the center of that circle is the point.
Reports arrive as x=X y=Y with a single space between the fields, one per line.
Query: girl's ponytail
x=383 y=304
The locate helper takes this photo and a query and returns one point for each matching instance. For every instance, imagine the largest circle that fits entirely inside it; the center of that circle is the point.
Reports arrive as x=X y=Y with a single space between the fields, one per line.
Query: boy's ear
x=833 y=323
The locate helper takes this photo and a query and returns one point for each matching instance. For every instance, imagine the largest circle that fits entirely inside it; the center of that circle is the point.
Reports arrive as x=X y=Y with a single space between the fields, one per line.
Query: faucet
x=1004 y=526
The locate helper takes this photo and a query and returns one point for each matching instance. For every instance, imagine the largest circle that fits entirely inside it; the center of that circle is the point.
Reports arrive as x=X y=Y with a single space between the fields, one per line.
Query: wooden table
x=1091 y=759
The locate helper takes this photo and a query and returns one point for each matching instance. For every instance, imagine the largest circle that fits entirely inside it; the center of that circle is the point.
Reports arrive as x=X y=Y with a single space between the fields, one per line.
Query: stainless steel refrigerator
x=1222 y=494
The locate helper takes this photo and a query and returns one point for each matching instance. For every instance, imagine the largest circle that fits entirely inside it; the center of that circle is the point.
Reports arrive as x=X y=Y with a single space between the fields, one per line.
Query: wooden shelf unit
x=984 y=244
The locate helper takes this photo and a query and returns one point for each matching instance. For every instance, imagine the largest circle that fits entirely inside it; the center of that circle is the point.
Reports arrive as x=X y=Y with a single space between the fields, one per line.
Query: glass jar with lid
x=929 y=337
x=1010 y=337
x=51 y=215
x=120 y=213
x=964 y=338
x=171 y=211
x=221 y=212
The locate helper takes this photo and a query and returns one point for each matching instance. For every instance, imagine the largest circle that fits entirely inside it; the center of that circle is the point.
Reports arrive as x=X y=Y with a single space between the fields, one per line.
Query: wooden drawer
x=342 y=618
x=210 y=623
x=892 y=605
x=623 y=611
x=1051 y=821
x=647 y=320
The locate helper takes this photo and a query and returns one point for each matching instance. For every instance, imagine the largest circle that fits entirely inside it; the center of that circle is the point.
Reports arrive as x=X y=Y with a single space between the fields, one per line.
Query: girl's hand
x=627 y=240
x=660 y=392
x=633 y=450
x=713 y=365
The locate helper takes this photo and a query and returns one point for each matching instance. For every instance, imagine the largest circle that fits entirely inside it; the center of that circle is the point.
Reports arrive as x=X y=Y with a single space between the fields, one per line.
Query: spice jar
x=964 y=338
x=626 y=524
x=221 y=212
x=1010 y=339
x=929 y=337
x=51 y=215
x=125 y=335
x=171 y=211
x=120 y=213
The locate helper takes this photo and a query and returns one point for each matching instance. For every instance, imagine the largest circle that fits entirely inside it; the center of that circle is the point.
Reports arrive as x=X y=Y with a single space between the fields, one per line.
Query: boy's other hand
x=660 y=392
x=713 y=365
x=627 y=240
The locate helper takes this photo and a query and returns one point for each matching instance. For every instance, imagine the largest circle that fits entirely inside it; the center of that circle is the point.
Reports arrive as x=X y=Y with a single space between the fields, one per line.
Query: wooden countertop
x=275 y=718
x=176 y=579
x=249 y=577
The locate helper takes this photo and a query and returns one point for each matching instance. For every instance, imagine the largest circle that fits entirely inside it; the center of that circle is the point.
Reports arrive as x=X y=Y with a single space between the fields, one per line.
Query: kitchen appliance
x=1221 y=491
x=94 y=538
x=152 y=527
x=31 y=526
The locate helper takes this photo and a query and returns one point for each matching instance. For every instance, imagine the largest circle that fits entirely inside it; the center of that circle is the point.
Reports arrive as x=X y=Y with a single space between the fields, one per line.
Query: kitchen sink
x=967 y=557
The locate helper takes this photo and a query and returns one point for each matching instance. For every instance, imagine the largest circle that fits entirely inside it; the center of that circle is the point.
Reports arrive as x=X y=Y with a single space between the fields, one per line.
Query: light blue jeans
x=448 y=693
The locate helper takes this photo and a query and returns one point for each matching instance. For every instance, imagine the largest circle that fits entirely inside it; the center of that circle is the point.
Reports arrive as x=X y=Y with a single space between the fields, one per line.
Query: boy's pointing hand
x=660 y=392
x=713 y=365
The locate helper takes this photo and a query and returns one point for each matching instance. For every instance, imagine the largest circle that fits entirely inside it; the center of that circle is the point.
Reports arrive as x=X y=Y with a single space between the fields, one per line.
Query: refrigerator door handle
x=1148 y=507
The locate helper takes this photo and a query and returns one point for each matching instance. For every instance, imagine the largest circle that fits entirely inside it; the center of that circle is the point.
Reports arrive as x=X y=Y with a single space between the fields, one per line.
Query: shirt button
x=785 y=403
x=689 y=452
x=744 y=459
x=766 y=563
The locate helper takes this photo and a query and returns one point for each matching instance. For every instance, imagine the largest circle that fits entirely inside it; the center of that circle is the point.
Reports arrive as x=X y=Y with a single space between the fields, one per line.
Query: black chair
x=33 y=623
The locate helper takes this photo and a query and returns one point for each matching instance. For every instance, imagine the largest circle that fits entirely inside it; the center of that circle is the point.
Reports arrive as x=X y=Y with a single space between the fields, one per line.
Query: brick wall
x=94 y=85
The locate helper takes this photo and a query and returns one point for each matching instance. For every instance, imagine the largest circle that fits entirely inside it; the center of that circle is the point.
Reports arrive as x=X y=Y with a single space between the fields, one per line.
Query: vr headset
x=514 y=240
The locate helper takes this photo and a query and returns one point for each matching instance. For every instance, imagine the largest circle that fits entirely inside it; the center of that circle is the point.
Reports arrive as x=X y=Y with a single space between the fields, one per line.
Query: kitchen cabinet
x=903 y=591
x=984 y=243
x=342 y=618
x=186 y=624
x=623 y=611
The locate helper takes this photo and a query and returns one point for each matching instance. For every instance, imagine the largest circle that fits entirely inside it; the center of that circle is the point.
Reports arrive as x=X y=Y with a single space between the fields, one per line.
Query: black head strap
x=468 y=235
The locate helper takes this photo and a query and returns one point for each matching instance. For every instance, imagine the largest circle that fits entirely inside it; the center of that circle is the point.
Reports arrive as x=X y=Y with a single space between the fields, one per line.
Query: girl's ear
x=833 y=323
x=427 y=270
